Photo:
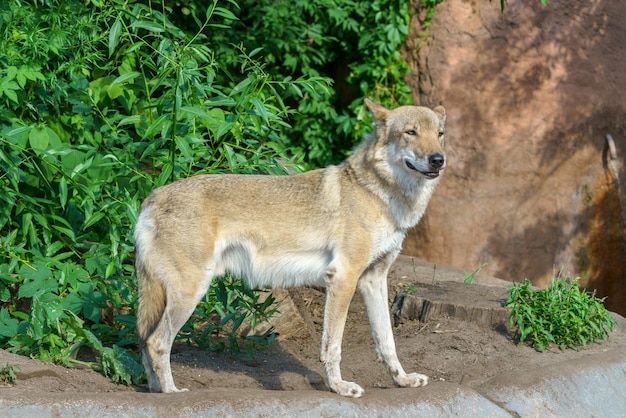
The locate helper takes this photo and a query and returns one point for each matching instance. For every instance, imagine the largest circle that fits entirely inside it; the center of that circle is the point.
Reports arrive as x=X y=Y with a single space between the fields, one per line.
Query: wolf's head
x=411 y=139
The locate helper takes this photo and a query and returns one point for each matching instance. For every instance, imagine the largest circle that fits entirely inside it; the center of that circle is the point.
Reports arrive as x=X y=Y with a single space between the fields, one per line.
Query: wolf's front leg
x=373 y=287
x=339 y=293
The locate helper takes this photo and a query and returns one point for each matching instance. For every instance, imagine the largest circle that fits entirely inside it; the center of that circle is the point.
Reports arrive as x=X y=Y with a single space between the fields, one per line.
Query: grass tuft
x=562 y=314
x=8 y=374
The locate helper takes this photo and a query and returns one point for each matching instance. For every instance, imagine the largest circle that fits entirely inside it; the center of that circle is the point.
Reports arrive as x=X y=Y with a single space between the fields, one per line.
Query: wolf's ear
x=380 y=112
x=441 y=112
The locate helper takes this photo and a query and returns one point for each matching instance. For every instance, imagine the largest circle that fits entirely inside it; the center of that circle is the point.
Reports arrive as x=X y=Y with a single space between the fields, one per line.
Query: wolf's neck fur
x=405 y=194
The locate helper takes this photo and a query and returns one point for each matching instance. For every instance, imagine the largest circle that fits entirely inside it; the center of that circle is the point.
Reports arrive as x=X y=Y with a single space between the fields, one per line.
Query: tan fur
x=341 y=227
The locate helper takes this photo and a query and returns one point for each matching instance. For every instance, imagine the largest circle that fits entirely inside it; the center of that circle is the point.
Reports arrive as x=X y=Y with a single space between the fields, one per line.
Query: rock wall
x=531 y=94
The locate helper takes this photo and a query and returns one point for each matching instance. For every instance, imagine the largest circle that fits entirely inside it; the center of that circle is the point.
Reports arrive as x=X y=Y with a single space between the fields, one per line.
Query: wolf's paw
x=412 y=380
x=345 y=388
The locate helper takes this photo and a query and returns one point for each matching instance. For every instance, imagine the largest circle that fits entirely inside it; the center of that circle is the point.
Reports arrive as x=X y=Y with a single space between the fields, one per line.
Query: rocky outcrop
x=531 y=95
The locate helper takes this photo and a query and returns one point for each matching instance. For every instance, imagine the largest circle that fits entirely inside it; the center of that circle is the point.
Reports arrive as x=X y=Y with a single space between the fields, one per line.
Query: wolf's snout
x=436 y=161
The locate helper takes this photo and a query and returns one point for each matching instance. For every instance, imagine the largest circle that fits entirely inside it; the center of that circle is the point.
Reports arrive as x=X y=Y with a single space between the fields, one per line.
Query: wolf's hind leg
x=181 y=301
x=373 y=287
x=156 y=357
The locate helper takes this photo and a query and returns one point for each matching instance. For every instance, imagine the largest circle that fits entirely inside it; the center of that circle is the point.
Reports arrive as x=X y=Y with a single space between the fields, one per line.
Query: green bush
x=561 y=314
x=354 y=42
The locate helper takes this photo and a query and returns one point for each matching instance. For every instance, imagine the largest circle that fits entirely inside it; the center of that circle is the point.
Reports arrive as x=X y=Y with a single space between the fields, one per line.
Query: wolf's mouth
x=429 y=174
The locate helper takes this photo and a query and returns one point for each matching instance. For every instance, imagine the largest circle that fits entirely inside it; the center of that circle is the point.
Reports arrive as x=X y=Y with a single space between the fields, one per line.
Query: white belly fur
x=265 y=271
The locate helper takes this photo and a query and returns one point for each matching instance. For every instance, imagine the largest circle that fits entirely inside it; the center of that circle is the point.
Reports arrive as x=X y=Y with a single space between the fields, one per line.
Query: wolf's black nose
x=436 y=160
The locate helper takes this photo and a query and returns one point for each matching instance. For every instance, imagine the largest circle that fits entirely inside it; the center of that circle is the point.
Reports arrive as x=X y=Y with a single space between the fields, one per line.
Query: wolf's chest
x=386 y=241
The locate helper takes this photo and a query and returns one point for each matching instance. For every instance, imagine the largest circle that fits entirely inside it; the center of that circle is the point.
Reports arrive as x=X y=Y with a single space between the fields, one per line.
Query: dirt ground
x=447 y=348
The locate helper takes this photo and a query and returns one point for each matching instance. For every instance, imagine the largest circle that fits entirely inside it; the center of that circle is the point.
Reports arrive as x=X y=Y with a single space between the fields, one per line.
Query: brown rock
x=293 y=319
x=531 y=94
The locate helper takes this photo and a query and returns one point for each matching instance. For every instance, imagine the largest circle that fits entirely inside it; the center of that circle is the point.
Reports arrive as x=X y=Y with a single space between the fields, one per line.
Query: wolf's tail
x=150 y=288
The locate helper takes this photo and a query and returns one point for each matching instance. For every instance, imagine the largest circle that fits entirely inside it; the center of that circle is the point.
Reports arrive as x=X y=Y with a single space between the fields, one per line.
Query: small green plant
x=561 y=314
x=228 y=305
x=410 y=290
x=429 y=6
x=8 y=374
x=470 y=278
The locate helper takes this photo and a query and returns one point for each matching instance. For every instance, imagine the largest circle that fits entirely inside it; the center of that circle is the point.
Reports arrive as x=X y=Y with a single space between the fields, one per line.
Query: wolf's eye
x=411 y=132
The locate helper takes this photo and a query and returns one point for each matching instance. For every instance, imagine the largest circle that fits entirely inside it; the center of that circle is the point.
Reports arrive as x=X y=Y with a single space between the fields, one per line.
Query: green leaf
x=92 y=220
x=183 y=146
x=165 y=175
x=260 y=109
x=114 y=35
x=8 y=325
x=131 y=120
x=224 y=128
x=120 y=366
x=225 y=13
x=81 y=166
x=8 y=87
x=157 y=125
x=147 y=25
x=36 y=279
x=124 y=78
x=257 y=51
x=77 y=325
x=11 y=72
x=196 y=111
x=46 y=309
x=10 y=93
x=241 y=86
x=231 y=158
x=114 y=91
x=39 y=138
x=5 y=293
x=27 y=72
x=63 y=192
x=19 y=135
x=65 y=231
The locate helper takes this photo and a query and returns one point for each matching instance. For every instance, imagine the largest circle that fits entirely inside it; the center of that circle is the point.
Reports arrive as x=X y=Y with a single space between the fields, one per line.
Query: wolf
x=340 y=227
